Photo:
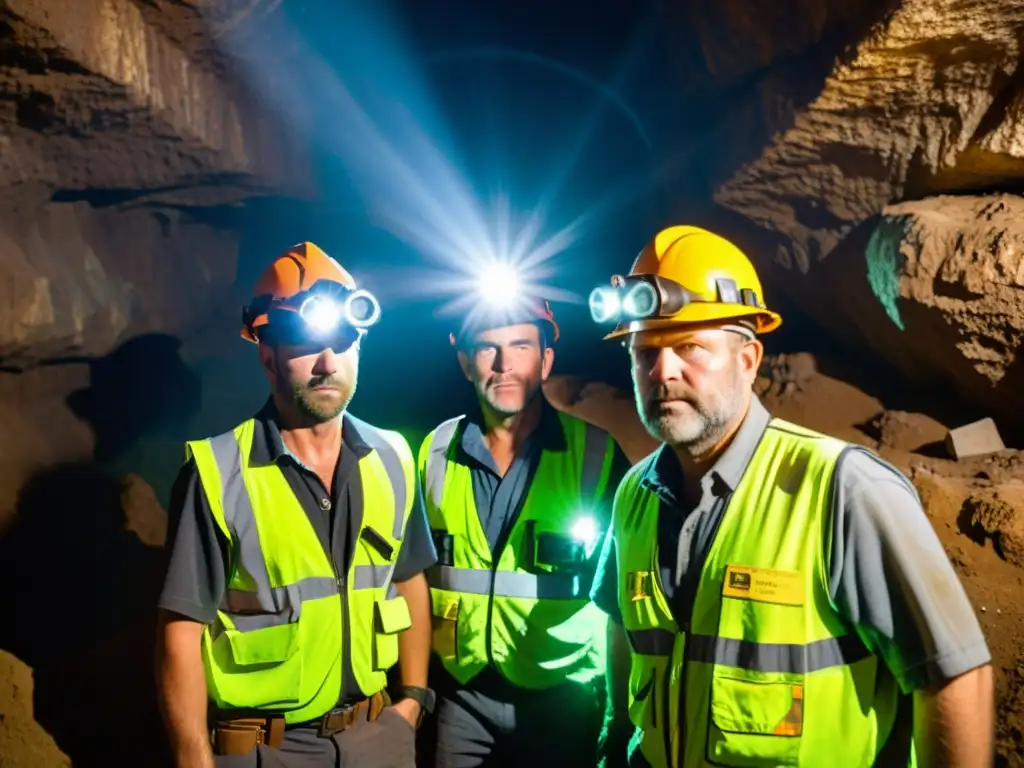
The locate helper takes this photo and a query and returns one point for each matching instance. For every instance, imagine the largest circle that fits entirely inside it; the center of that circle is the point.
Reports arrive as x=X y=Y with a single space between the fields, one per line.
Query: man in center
x=518 y=494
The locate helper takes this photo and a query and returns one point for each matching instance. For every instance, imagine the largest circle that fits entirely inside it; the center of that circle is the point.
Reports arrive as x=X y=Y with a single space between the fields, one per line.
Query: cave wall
x=128 y=144
x=810 y=129
x=75 y=282
x=104 y=321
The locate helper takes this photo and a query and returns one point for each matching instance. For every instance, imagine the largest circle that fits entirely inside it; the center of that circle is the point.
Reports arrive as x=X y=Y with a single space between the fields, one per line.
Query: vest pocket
x=392 y=617
x=444 y=623
x=258 y=666
x=755 y=722
x=272 y=645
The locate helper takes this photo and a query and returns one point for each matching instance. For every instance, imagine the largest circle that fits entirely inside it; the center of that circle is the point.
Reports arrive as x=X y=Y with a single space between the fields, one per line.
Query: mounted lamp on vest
x=567 y=552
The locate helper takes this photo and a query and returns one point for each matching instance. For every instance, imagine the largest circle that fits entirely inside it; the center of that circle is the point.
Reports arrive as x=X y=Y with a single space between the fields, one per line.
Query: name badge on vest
x=637 y=584
x=764 y=585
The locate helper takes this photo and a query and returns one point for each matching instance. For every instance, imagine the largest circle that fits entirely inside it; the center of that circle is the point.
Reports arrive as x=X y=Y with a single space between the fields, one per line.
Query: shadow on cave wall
x=141 y=388
x=78 y=587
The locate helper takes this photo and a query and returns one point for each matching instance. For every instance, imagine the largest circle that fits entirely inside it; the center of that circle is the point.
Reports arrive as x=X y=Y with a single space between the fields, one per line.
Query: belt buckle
x=342 y=717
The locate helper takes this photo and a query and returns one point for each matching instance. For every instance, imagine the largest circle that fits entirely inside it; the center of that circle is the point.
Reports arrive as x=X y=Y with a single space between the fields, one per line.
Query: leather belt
x=239 y=736
x=337 y=720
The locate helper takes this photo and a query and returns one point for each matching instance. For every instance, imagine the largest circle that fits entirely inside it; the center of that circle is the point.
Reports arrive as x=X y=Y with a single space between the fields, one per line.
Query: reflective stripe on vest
x=594 y=456
x=239 y=516
x=770 y=671
x=747 y=654
x=535 y=646
x=277 y=646
x=474 y=581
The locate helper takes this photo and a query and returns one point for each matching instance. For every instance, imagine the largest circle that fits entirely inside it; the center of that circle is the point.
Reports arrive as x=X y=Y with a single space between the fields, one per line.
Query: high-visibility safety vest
x=278 y=638
x=535 y=624
x=767 y=674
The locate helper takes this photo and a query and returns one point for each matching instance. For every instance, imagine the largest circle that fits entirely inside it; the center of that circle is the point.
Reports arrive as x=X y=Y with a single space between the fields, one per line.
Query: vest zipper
x=340 y=579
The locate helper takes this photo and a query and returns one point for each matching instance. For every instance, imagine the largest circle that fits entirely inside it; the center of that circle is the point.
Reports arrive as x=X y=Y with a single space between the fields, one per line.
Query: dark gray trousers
x=490 y=722
x=388 y=742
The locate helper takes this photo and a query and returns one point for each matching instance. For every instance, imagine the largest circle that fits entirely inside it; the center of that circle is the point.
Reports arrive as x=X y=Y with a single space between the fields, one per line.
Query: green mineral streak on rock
x=885 y=267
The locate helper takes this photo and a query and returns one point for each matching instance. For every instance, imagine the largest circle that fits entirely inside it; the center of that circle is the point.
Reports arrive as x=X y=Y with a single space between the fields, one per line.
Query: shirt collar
x=548 y=435
x=664 y=475
x=268 y=446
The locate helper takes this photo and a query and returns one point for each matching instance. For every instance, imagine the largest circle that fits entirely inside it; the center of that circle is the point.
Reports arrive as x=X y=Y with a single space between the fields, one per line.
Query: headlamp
x=497 y=284
x=639 y=297
x=323 y=313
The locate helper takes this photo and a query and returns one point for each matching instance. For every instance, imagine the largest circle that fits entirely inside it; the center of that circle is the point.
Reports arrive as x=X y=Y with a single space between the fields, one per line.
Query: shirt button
x=325 y=504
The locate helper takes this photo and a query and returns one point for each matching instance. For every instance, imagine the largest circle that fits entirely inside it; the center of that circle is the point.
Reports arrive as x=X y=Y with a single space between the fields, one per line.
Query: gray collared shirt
x=498 y=497
x=889 y=574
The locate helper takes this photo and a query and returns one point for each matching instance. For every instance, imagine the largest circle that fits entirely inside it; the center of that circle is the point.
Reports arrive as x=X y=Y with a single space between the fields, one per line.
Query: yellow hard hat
x=686 y=276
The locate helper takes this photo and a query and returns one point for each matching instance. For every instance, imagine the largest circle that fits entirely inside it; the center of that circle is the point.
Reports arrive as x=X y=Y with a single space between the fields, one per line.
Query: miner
x=777 y=596
x=298 y=545
x=518 y=495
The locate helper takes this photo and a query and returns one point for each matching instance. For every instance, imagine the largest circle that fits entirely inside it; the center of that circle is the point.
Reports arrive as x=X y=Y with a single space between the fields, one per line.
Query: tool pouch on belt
x=240 y=736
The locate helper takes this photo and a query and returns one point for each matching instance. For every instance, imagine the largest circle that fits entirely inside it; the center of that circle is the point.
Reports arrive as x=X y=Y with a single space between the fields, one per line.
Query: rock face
x=937 y=289
x=131 y=97
x=997 y=512
x=74 y=280
x=603 y=406
x=126 y=147
x=930 y=101
x=847 y=126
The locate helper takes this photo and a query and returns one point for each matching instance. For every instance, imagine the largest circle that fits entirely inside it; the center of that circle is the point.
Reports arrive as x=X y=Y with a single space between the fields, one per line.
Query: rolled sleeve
x=417 y=552
x=197 y=567
x=892 y=579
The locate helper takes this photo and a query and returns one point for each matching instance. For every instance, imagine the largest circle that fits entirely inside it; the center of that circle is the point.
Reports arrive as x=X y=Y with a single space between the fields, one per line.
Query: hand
x=409 y=709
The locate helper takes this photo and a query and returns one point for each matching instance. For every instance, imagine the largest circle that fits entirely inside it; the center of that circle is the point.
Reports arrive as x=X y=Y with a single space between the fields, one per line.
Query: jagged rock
x=953 y=266
x=144 y=514
x=603 y=406
x=999 y=513
x=23 y=742
x=144 y=85
x=77 y=280
x=905 y=107
x=788 y=371
x=930 y=101
x=908 y=431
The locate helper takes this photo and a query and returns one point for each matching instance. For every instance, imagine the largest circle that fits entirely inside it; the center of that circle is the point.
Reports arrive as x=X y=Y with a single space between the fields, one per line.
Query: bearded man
x=777 y=596
x=298 y=544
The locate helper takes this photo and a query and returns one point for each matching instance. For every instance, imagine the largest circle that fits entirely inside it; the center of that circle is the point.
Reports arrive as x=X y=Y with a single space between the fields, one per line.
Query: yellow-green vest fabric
x=538 y=628
x=276 y=644
x=768 y=674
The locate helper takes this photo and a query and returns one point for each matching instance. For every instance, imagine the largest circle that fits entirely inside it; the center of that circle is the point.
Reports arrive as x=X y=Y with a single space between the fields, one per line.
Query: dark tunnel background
x=512 y=117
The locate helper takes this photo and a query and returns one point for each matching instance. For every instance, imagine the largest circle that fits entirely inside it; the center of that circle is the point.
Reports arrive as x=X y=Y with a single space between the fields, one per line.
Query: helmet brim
x=765 y=321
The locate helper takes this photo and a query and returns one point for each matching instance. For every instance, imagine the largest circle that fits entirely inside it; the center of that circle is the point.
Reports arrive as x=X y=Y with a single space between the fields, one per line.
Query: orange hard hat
x=536 y=311
x=291 y=274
